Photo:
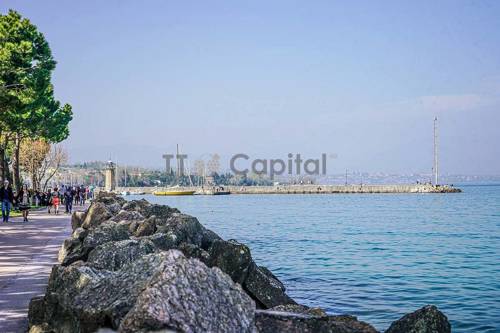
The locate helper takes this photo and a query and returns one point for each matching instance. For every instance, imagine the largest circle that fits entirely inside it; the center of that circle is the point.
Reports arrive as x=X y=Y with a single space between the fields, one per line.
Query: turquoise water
x=376 y=256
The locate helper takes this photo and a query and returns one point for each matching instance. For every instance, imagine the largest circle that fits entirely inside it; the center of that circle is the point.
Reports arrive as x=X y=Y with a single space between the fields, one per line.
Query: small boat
x=175 y=190
x=221 y=193
x=137 y=193
x=124 y=193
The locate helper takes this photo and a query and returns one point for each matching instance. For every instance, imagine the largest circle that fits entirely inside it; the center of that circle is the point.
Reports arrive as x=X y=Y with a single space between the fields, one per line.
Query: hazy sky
x=362 y=79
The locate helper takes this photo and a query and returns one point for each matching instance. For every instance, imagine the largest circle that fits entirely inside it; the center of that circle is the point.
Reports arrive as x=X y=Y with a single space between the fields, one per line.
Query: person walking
x=68 y=199
x=23 y=201
x=56 y=201
x=7 y=198
x=77 y=195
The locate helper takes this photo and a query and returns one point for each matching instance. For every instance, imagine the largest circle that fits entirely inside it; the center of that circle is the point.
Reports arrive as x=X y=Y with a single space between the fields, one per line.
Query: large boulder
x=425 y=320
x=235 y=259
x=187 y=296
x=77 y=219
x=98 y=212
x=148 y=210
x=232 y=258
x=72 y=248
x=65 y=285
x=125 y=215
x=184 y=228
x=109 y=198
x=267 y=321
x=114 y=255
x=193 y=251
x=163 y=241
x=83 y=241
x=266 y=289
x=146 y=227
x=208 y=238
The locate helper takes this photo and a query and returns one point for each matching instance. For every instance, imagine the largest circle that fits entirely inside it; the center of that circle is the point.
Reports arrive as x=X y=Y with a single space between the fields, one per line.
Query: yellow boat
x=174 y=191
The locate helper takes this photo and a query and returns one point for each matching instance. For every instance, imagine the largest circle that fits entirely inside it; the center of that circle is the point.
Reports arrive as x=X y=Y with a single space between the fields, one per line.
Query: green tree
x=28 y=108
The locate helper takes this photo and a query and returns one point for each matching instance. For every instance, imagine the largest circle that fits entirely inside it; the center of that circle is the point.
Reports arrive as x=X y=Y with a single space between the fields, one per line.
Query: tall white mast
x=436 y=166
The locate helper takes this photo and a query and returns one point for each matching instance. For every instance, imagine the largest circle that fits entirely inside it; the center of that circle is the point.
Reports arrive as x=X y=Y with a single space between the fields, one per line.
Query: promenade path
x=27 y=253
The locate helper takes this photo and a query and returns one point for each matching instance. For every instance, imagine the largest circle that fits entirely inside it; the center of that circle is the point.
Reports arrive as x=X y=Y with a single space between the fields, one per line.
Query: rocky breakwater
x=138 y=267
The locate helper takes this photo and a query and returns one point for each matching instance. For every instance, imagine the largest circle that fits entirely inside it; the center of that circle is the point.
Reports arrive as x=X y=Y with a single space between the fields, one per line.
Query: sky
x=359 y=79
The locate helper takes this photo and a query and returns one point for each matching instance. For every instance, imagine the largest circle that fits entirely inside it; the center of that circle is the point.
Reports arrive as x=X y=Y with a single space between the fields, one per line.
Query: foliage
x=28 y=109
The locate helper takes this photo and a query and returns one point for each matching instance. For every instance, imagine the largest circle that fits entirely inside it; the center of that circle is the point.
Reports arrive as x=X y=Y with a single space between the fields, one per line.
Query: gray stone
x=300 y=309
x=208 y=238
x=114 y=255
x=96 y=214
x=193 y=251
x=163 y=241
x=266 y=290
x=232 y=258
x=425 y=320
x=267 y=321
x=77 y=219
x=36 y=311
x=75 y=249
x=146 y=227
x=184 y=227
x=125 y=215
x=188 y=296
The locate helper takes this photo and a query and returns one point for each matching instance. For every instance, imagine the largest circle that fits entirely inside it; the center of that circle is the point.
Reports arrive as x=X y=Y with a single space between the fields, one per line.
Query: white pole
x=436 y=166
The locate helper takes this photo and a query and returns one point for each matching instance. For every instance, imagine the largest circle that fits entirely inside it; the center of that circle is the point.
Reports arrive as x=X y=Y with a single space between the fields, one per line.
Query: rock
x=109 y=198
x=232 y=258
x=124 y=215
x=75 y=249
x=188 y=296
x=106 y=232
x=77 y=219
x=65 y=284
x=106 y=302
x=72 y=247
x=97 y=213
x=265 y=289
x=42 y=328
x=161 y=211
x=193 y=251
x=267 y=321
x=148 y=210
x=36 y=311
x=300 y=309
x=146 y=227
x=163 y=241
x=425 y=320
x=270 y=275
x=136 y=205
x=114 y=255
x=184 y=227
x=208 y=238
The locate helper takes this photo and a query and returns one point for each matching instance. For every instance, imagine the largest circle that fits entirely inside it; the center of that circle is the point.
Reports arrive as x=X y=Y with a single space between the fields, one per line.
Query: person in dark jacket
x=68 y=199
x=7 y=198
x=23 y=200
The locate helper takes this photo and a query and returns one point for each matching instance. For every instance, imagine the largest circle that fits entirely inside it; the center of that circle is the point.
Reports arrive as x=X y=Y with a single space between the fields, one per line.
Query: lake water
x=376 y=256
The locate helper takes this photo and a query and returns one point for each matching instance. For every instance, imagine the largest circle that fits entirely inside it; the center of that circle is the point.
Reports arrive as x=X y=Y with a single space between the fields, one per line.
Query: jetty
x=310 y=189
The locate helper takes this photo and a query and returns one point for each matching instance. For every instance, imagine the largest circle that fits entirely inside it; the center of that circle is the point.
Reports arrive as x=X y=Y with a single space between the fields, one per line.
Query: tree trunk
x=4 y=163
x=15 y=163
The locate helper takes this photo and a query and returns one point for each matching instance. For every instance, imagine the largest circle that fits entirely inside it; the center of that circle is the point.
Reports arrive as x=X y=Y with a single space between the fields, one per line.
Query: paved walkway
x=27 y=253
